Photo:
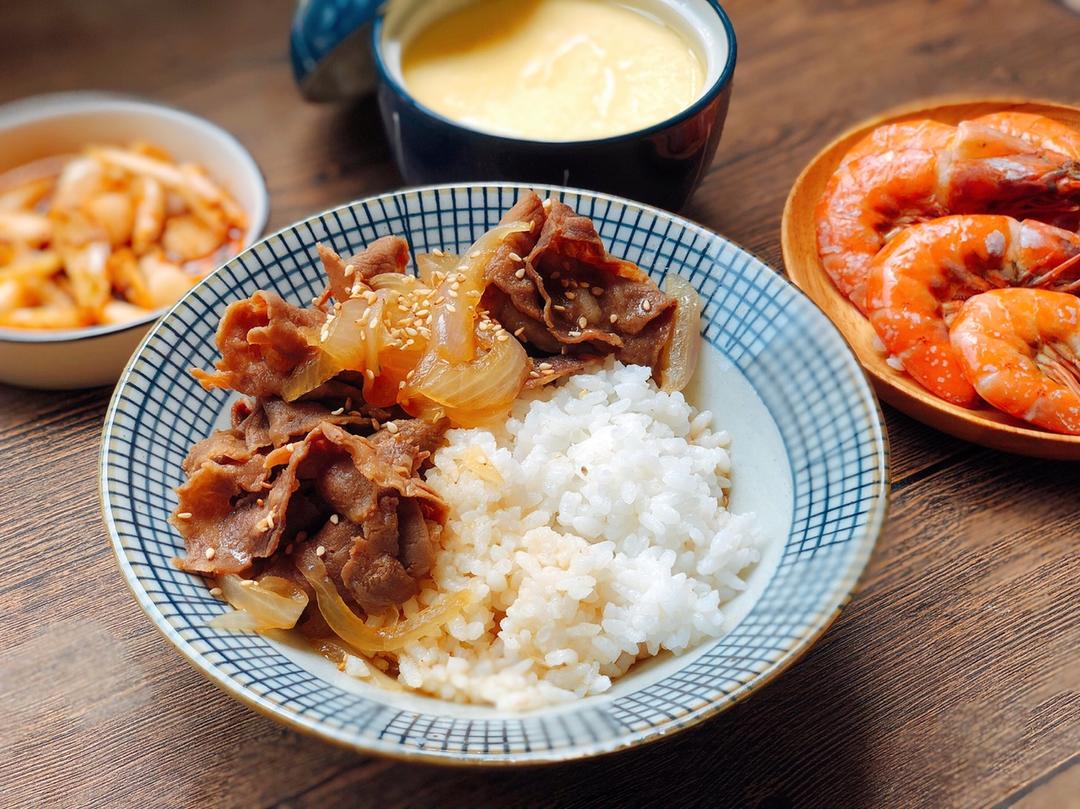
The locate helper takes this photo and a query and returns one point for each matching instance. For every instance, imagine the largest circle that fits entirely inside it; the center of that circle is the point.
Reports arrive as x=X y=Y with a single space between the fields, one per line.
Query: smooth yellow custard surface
x=552 y=69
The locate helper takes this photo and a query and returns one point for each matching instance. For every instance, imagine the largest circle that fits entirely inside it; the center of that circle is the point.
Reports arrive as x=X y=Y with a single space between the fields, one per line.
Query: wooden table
x=950 y=680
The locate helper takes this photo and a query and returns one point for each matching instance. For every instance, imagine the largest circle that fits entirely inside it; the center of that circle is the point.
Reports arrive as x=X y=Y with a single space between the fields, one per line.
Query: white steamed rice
x=591 y=530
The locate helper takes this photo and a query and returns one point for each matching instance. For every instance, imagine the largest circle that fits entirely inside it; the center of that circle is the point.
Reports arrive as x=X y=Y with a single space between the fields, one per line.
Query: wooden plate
x=984 y=426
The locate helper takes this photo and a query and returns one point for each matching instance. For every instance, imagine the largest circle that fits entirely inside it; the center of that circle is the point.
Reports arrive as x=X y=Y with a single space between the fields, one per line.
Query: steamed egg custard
x=553 y=70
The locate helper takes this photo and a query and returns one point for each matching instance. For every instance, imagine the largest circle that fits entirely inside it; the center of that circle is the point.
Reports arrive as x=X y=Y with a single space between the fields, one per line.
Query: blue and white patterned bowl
x=809 y=451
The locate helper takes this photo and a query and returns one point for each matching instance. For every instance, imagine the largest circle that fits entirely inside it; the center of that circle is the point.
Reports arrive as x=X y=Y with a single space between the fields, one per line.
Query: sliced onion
x=680 y=359
x=371 y=326
x=427 y=264
x=396 y=281
x=270 y=603
x=453 y=320
x=341 y=345
x=469 y=394
x=351 y=629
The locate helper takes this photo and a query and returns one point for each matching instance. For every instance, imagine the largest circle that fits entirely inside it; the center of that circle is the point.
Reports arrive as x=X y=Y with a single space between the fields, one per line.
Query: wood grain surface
x=952 y=679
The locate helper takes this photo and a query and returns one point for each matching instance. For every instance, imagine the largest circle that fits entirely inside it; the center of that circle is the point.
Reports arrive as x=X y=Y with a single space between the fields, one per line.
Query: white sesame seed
x=437 y=252
x=391 y=427
x=515 y=257
x=369 y=374
x=335 y=519
x=598 y=291
x=349 y=270
x=184 y=515
x=320 y=551
x=613 y=318
x=210 y=553
x=544 y=366
x=646 y=305
x=337 y=412
x=559 y=307
x=520 y=331
x=520 y=273
x=474 y=254
x=215 y=592
x=571 y=295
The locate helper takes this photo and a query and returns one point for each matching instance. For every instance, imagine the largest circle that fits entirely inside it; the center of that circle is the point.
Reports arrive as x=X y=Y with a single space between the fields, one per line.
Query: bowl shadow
x=798 y=743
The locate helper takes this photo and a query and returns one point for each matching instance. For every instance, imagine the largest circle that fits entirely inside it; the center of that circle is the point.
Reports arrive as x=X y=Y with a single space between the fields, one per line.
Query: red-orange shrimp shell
x=1020 y=348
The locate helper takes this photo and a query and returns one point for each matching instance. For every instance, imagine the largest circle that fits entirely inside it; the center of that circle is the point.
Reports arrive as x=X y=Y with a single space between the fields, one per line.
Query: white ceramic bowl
x=808 y=447
x=65 y=123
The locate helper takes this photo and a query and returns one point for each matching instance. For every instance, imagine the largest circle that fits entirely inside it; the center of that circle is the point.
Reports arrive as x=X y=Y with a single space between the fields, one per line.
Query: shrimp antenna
x=1047 y=281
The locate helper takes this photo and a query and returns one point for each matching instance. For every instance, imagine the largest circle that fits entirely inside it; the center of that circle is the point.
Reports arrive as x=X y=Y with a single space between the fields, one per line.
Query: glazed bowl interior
x=700 y=23
x=809 y=457
x=64 y=124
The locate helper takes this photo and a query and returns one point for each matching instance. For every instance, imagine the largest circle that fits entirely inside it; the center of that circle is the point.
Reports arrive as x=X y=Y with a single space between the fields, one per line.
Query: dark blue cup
x=661 y=164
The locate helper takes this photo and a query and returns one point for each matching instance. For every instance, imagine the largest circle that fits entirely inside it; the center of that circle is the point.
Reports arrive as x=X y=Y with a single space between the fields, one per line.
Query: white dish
x=808 y=450
x=65 y=123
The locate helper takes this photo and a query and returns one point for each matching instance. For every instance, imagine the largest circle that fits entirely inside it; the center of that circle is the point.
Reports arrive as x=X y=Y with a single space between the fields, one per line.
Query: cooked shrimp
x=869 y=199
x=916 y=281
x=922 y=133
x=1020 y=348
x=1046 y=133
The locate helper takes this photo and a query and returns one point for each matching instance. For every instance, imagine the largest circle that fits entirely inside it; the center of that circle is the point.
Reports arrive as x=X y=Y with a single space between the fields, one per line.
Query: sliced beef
x=414 y=540
x=386 y=254
x=570 y=297
x=222 y=446
x=356 y=497
x=261 y=424
x=262 y=340
x=229 y=517
x=250 y=421
x=512 y=295
x=545 y=370
x=289 y=420
x=374 y=574
x=409 y=443
x=593 y=299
